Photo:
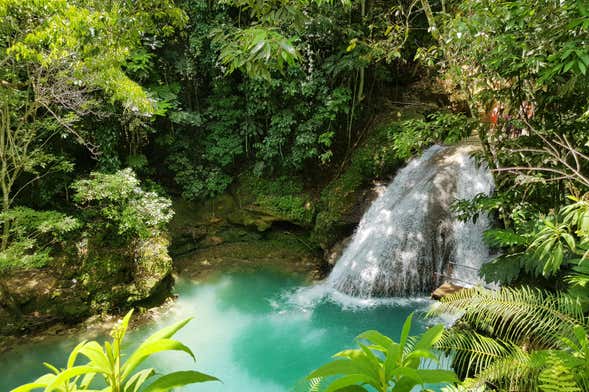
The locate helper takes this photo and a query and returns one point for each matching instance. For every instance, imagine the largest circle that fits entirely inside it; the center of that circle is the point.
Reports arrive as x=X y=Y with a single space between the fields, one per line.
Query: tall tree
x=61 y=60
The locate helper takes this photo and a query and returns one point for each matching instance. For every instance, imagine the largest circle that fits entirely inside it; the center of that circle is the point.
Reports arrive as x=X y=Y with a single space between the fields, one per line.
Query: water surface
x=251 y=330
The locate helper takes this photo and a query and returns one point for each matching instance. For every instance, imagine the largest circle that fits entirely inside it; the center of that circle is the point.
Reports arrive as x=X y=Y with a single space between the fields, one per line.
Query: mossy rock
x=280 y=250
x=282 y=198
x=39 y=298
x=342 y=201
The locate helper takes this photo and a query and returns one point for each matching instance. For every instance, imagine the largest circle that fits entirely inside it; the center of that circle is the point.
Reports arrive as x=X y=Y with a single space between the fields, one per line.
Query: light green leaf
x=178 y=379
x=149 y=348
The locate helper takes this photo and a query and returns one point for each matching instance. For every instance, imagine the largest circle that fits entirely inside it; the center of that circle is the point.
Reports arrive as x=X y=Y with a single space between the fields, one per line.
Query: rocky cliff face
x=87 y=280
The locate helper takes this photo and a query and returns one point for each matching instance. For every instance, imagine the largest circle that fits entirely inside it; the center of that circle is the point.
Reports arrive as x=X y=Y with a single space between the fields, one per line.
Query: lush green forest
x=121 y=120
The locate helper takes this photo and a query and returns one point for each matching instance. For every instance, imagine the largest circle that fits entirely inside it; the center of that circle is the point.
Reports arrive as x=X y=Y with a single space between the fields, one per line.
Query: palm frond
x=519 y=315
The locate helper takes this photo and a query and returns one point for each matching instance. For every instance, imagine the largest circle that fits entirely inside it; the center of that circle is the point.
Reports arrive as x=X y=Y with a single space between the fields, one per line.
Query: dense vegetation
x=109 y=109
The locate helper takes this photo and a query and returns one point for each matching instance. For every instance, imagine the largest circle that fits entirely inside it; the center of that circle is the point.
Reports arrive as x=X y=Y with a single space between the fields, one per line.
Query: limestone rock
x=445 y=289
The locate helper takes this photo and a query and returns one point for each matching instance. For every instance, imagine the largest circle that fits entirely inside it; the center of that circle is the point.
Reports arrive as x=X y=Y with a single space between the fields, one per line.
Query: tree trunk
x=430 y=18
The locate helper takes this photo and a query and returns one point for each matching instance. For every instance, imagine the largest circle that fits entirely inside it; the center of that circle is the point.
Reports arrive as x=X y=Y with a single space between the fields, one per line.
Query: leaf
x=138 y=379
x=582 y=67
x=94 y=352
x=167 y=332
x=74 y=354
x=435 y=376
x=376 y=338
x=346 y=382
x=149 y=348
x=41 y=382
x=334 y=368
x=70 y=373
x=178 y=379
x=405 y=331
x=429 y=337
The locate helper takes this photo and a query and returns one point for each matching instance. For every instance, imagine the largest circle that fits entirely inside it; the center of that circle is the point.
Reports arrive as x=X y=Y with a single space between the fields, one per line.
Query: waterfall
x=409 y=240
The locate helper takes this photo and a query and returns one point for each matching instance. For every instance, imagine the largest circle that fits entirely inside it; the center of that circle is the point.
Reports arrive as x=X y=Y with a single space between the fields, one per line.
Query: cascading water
x=409 y=240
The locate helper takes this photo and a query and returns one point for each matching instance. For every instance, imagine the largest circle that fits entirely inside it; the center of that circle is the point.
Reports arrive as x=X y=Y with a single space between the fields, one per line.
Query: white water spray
x=408 y=240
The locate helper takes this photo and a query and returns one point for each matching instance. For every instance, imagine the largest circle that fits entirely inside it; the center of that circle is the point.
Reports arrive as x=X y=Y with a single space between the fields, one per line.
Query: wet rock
x=445 y=289
x=333 y=254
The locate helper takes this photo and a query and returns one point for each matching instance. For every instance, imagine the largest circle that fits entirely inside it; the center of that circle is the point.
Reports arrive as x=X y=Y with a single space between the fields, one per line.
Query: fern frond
x=545 y=370
x=514 y=372
x=563 y=372
x=519 y=315
x=316 y=384
x=472 y=352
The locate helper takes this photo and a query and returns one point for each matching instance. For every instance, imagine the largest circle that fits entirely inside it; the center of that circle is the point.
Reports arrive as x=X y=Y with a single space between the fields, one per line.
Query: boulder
x=445 y=289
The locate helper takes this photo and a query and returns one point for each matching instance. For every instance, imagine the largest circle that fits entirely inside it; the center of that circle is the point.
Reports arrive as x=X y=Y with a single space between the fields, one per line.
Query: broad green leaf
x=405 y=331
x=149 y=348
x=434 y=376
x=167 y=332
x=138 y=379
x=376 y=338
x=74 y=354
x=178 y=379
x=429 y=337
x=70 y=373
x=346 y=381
x=94 y=352
x=570 y=240
x=422 y=354
x=334 y=368
x=39 y=383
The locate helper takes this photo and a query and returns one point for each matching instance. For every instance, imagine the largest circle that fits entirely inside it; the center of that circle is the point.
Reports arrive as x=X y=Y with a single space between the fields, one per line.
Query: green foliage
x=411 y=137
x=118 y=201
x=34 y=235
x=517 y=339
x=274 y=87
x=275 y=127
x=550 y=246
x=282 y=197
x=524 y=60
x=257 y=51
x=119 y=375
x=386 y=365
x=98 y=35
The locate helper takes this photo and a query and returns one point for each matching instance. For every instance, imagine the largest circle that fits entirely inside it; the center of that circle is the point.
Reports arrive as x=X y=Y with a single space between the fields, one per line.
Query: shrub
x=118 y=201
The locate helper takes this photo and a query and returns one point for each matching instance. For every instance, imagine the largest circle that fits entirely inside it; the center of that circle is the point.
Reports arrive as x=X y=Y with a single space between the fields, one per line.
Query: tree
x=59 y=61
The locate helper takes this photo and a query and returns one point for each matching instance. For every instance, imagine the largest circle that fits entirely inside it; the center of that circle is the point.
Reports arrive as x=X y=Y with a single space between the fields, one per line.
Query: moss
x=118 y=277
x=283 y=198
x=281 y=250
x=253 y=219
x=375 y=158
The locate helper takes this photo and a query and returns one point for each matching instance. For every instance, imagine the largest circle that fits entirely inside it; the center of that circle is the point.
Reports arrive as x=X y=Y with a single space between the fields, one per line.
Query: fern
x=514 y=372
x=522 y=316
x=316 y=384
x=559 y=373
x=518 y=340
x=471 y=351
